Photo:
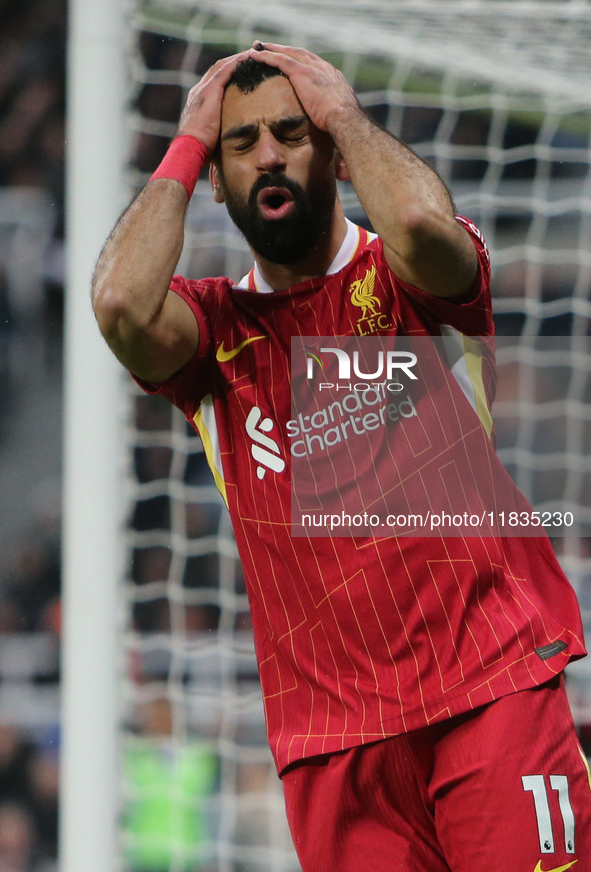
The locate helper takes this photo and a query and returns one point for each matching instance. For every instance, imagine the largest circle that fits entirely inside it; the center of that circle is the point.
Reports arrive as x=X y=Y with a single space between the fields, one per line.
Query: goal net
x=495 y=95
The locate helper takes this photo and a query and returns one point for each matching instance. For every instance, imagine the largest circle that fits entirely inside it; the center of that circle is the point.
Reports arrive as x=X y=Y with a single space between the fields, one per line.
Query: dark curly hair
x=249 y=74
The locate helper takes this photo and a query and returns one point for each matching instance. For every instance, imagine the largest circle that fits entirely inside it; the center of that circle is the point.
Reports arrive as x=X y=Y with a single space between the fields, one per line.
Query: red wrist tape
x=183 y=161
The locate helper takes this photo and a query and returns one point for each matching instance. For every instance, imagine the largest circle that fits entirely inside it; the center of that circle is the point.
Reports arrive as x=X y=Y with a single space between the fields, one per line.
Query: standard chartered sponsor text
x=440 y=520
x=320 y=431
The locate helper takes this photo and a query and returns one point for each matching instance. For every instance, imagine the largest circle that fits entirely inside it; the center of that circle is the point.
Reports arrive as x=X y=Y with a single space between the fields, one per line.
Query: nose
x=270 y=154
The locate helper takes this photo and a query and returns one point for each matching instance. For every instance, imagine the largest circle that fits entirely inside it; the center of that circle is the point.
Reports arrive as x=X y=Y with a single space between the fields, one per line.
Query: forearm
x=133 y=274
x=396 y=188
x=134 y=269
x=408 y=205
x=150 y=330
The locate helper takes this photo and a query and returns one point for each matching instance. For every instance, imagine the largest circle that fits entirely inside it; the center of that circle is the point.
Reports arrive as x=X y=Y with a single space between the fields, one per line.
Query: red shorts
x=504 y=787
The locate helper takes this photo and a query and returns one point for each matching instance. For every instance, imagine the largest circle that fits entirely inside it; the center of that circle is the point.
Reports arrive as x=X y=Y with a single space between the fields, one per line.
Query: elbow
x=109 y=307
x=120 y=319
x=428 y=233
x=426 y=225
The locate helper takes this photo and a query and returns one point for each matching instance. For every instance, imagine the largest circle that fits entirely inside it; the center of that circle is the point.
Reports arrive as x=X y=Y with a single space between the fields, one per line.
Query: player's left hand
x=322 y=90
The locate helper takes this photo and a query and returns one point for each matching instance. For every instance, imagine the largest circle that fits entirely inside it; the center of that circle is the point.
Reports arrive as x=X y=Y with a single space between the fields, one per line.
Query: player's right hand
x=323 y=91
x=201 y=114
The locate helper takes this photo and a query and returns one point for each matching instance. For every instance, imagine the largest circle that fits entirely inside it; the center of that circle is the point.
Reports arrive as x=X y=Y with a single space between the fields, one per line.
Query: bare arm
x=408 y=206
x=151 y=329
x=406 y=202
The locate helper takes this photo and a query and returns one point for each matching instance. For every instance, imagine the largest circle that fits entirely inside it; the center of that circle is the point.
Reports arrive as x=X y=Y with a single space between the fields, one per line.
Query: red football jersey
x=359 y=638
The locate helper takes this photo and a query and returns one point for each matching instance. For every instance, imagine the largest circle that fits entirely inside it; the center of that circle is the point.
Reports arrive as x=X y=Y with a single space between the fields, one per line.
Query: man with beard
x=275 y=230
x=412 y=687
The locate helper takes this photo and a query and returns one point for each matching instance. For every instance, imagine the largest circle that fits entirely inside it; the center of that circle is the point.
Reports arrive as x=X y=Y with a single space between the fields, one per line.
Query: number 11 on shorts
x=537 y=785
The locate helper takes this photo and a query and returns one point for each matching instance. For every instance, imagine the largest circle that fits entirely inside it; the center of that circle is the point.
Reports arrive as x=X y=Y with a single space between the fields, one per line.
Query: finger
x=224 y=66
x=289 y=50
x=232 y=62
x=275 y=59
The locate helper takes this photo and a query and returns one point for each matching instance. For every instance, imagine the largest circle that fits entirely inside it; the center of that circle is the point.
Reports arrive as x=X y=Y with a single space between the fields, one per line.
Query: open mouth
x=276 y=203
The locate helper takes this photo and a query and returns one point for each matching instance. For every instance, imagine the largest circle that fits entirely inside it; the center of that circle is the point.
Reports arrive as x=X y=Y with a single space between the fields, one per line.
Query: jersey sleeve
x=189 y=385
x=472 y=318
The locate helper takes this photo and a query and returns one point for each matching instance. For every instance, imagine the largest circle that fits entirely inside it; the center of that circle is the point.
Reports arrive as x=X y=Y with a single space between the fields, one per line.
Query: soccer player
x=413 y=687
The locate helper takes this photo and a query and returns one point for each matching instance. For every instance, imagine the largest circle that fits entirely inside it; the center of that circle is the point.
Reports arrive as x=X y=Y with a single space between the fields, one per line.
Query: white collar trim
x=344 y=256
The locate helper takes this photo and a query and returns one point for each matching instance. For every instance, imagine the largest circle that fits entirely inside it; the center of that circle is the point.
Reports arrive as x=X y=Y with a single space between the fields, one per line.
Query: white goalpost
x=92 y=492
x=165 y=744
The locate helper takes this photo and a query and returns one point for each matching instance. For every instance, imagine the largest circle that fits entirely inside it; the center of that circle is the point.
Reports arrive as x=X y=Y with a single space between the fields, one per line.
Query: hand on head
x=322 y=90
x=202 y=112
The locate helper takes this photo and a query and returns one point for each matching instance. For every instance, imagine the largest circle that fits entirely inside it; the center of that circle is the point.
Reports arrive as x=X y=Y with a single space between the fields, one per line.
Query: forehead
x=271 y=100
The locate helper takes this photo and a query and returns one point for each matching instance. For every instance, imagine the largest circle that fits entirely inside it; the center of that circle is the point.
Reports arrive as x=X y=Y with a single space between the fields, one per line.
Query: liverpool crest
x=362 y=295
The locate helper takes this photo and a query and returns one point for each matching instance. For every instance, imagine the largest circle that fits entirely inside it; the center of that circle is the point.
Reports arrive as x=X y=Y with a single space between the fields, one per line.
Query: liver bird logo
x=362 y=294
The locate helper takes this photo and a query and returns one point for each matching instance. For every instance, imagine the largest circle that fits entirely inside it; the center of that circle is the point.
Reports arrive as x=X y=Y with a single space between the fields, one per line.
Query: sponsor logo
x=337 y=422
x=223 y=356
x=265 y=450
x=556 y=868
x=362 y=296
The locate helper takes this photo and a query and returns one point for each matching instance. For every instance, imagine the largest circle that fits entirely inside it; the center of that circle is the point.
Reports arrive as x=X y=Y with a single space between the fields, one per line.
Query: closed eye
x=241 y=137
x=291 y=129
x=296 y=137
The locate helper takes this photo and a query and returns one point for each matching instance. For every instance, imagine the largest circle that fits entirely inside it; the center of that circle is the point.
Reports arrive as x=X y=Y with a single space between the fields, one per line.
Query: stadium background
x=496 y=96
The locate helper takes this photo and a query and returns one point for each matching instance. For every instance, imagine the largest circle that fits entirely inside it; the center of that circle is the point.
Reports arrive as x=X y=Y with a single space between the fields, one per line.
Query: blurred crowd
x=32 y=140
x=29 y=702
x=32 y=100
x=28 y=804
x=29 y=697
x=32 y=144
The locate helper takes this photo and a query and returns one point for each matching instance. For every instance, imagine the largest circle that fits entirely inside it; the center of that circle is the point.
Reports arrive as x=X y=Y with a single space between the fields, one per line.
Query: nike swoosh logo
x=223 y=356
x=556 y=868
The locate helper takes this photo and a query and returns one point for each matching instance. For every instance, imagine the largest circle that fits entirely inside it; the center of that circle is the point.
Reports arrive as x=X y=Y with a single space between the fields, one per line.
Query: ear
x=214 y=181
x=341 y=171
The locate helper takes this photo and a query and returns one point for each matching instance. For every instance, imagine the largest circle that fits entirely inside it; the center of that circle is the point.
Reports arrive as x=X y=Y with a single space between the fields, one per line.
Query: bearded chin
x=287 y=240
